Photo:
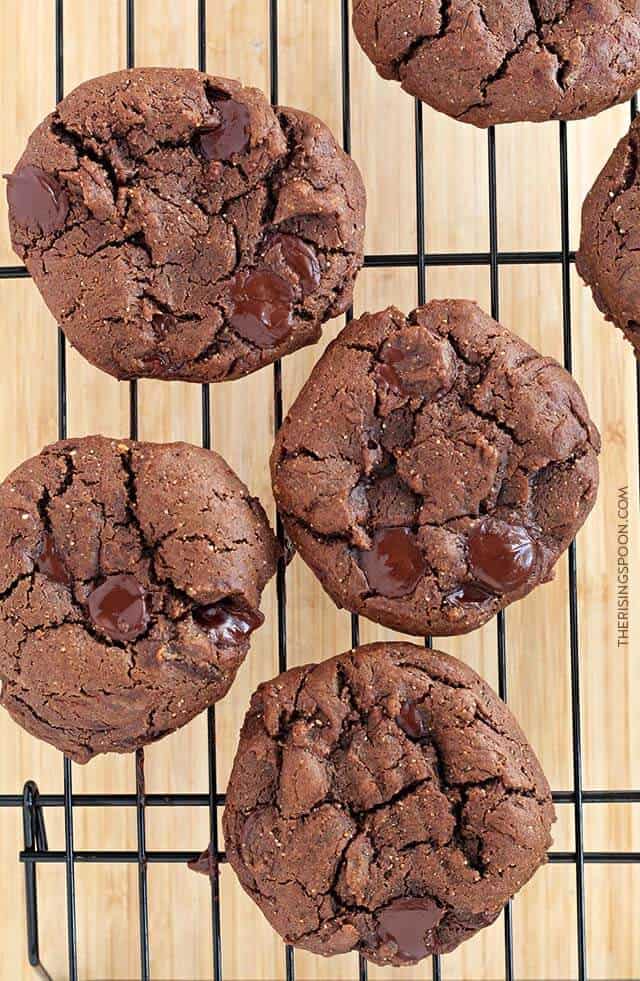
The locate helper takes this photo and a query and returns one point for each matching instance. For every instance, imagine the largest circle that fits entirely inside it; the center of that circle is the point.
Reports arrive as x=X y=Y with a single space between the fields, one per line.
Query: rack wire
x=33 y=804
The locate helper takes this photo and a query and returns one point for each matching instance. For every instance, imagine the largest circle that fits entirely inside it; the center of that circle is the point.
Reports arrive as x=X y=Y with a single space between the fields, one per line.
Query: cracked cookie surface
x=434 y=467
x=608 y=256
x=385 y=801
x=487 y=62
x=130 y=581
x=179 y=227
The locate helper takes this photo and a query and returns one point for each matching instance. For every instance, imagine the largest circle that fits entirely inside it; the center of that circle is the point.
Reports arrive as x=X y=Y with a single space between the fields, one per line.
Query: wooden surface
x=538 y=629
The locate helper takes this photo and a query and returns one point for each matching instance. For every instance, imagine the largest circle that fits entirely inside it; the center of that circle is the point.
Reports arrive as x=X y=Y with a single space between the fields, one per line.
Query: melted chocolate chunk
x=232 y=133
x=36 y=199
x=413 y=721
x=262 y=307
x=469 y=592
x=389 y=374
x=388 y=371
x=50 y=563
x=227 y=623
x=300 y=258
x=409 y=924
x=501 y=556
x=395 y=564
x=118 y=607
x=159 y=360
x=415 y=363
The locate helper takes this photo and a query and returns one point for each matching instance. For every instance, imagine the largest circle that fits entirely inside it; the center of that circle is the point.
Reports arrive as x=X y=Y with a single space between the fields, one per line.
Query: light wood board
x=538 y=629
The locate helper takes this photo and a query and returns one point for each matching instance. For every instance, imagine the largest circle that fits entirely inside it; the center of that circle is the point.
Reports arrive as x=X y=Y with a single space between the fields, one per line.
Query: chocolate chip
x=389 y=374
x=469 y=592
x=231 y=135
x=413 y=720
x=262 y=308
x=36 y=199
x=227 y=622
x=409 y=925
x=416 y=363
x=395 y=564
x=299 y=257
x=50 y=563
x=118 y=607
x=501 y=556
x=394 y=357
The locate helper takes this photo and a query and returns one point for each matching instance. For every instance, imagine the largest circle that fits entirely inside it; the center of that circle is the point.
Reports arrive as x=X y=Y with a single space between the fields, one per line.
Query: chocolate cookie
x=486 y=61
x=130 y=578
x=385 y=801
x=434 y=467
x=608 y=256
x=178 y=227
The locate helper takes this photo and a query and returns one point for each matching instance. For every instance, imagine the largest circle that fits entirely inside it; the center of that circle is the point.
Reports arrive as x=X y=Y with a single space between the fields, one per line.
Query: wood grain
x=456 y=218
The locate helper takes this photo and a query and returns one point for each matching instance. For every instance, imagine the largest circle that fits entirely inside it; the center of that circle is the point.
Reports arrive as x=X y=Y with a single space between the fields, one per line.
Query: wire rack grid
x=33 y=803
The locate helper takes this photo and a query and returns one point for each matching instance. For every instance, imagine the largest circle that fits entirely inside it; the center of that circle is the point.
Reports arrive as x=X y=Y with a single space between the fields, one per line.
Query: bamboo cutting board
x=538 y=629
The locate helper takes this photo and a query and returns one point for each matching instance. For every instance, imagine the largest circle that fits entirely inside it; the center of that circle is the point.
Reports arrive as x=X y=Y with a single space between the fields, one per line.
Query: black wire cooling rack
x=33 y=803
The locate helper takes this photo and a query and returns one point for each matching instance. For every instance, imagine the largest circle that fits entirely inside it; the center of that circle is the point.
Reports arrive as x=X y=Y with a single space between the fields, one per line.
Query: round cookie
x=608 y=255
x=385 y=801
x=130 y=579
x=179 y=227
x=434 y=467
x=487 y=62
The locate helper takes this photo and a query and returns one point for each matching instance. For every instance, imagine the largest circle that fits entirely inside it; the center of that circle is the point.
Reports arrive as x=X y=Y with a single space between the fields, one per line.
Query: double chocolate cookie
x=486 y=61
x=434 y=467
x=385 y=801
x=130 y=580
x=608 y=256
x=179 y=227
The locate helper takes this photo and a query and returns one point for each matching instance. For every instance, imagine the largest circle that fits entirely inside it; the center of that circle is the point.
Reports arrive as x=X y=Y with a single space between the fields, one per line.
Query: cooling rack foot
x=35 y=840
